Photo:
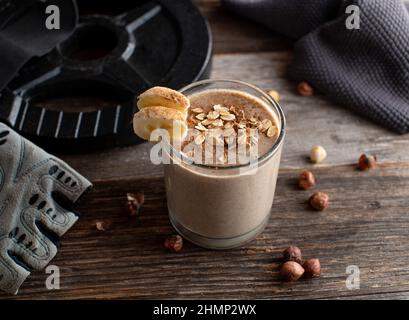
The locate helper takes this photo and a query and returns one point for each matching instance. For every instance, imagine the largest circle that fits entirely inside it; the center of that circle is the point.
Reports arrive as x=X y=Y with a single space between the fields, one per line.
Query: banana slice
x=165 y=97
x=149 y=119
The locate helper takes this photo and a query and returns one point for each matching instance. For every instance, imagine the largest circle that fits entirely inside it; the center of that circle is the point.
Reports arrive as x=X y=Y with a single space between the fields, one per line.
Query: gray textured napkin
x=38 y=193
x=365 y=69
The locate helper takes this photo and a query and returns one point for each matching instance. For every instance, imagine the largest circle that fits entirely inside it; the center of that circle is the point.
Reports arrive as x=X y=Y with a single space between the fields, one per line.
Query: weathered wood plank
x=367 y=225
x=235 y=34
x=399 y=295
x=312 y=120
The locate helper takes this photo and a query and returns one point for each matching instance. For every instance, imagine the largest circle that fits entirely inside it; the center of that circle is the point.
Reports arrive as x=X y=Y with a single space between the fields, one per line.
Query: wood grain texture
x=367 y=225
x=233 y=34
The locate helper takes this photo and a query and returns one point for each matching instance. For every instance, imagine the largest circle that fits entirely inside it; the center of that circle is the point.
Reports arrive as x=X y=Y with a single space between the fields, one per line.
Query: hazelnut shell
x=291 y=271
x=319 y=201
x=366 y=162
x=312 y=268
x=305 y=89
x=293 y=253
x=306 y=180
x=173 y=243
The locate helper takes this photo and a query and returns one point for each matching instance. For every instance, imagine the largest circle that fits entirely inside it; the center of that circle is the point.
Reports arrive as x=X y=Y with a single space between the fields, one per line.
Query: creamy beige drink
x=221 y=204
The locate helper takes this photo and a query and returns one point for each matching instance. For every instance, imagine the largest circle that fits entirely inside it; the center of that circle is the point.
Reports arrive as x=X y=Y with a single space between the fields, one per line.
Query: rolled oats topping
x=218 y=123
x=240 y=122
x=228 y=117
x=200 y=127
x=220 y=108
x=200 y=139
x=197 y=110
x=201 y=116
x=213 y=115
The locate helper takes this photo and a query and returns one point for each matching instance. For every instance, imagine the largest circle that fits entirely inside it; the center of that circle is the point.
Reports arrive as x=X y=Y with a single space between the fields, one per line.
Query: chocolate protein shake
x=222 y=197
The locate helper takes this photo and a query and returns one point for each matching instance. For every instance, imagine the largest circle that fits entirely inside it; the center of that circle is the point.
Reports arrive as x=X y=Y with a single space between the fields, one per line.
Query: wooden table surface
x=367 y=224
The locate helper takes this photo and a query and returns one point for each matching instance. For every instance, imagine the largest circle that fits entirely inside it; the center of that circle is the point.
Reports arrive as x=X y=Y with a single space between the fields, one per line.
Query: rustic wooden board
x=367 y=225
x=235 y=34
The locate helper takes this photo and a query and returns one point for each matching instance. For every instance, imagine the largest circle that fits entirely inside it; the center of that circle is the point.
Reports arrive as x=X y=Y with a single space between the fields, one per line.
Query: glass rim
x=272 y=151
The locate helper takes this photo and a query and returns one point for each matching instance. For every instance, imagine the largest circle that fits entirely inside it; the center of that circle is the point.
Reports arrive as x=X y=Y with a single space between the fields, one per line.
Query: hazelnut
x=293 y=253
x=312 y=268
x=366 y=162
x=319 y=201
x=306 y=180
x=291 y=271
x=305 y=89
x=317 y=154
x=174 y=243
x=102 y=225
x=134 y=203
x=275 y=95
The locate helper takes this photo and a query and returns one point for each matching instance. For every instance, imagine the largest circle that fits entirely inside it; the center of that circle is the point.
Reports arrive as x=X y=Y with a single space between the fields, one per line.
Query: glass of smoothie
x=221 y=204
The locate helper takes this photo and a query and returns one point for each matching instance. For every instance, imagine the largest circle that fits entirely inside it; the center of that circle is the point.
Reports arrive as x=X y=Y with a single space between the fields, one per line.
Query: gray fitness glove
x=37 y=196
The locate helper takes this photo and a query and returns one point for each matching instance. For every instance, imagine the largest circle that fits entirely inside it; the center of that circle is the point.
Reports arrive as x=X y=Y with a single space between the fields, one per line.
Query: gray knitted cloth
x=365 y=69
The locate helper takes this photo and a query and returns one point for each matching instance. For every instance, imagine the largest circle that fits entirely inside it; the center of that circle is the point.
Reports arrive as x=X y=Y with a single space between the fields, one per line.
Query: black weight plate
x=82 y=94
